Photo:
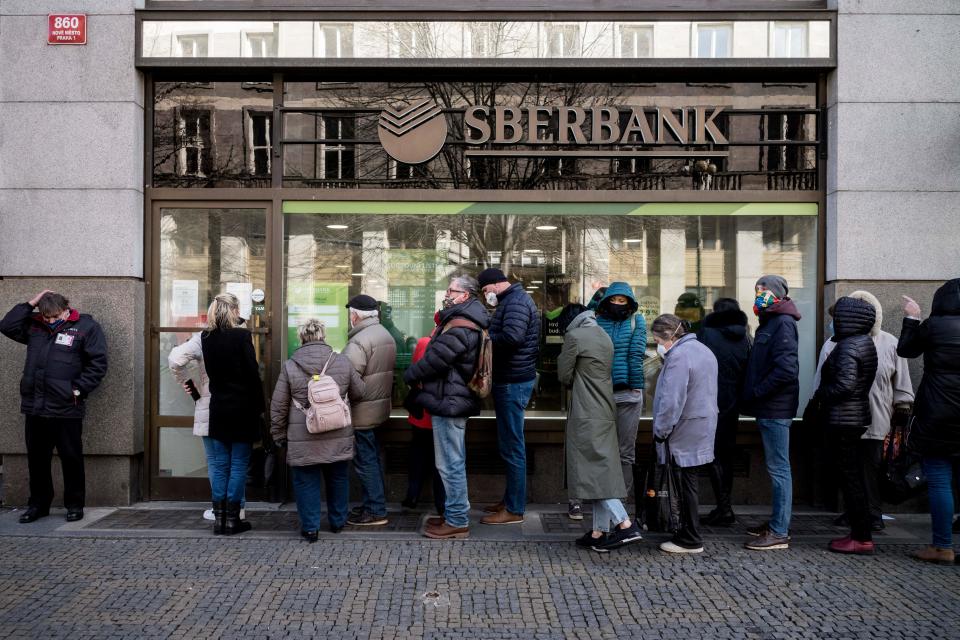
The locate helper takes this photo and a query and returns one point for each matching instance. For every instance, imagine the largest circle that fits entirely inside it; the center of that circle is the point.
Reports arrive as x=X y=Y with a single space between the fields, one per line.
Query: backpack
x=481 y=383
x=326 y=410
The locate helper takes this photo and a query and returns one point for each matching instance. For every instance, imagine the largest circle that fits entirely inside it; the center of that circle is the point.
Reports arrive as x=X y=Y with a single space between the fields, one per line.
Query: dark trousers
x=42 y=435
x=686 y=482
x=871 y=455
x=423 y=466
x=724 y=451
x=308 y=484
x=846 y=443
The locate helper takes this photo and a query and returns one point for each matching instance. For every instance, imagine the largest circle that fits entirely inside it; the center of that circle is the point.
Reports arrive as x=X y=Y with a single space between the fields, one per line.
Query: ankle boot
x=219 y=516
x=233 y=522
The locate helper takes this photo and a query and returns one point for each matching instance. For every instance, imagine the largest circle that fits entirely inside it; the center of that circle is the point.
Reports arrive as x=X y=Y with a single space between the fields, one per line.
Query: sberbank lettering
x=593 y=125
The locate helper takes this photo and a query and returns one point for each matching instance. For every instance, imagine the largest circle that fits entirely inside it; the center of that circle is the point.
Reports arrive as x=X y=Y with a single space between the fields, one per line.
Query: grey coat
x=373 y=352
x=685 y=406
x=592 y=449
x=290 y=424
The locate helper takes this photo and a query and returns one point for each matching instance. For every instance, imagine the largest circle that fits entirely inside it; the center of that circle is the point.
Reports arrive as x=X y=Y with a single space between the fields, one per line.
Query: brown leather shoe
x=502 y=517
x=435 y=521
x=447 y=532
x=495 y=508
x=936 y=555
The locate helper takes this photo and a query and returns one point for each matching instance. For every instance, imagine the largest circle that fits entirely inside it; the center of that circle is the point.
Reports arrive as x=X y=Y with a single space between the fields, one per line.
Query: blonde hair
x=223 y=312
x=312 y=330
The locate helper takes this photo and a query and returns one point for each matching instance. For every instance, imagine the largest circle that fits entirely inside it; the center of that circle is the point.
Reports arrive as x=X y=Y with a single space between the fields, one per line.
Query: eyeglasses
x=455 y=291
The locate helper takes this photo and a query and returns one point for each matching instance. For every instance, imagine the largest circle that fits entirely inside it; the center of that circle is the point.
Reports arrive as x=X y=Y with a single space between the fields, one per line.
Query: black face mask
x=617 y=311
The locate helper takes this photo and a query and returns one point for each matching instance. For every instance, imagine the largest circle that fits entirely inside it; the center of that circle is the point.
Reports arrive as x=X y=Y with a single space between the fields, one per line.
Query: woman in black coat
x=935 y=429
x=843 y=398
x=725 y=333
x=236 y=406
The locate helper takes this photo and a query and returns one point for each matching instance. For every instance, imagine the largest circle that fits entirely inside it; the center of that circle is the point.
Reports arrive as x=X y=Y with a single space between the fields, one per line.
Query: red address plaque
x=67 y=28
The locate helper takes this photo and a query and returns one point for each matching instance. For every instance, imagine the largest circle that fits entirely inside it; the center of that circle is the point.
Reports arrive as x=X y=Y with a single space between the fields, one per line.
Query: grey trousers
x=629 y=408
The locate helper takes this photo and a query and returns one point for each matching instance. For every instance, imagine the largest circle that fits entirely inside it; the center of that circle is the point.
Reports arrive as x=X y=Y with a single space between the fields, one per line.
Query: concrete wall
x=71 y=202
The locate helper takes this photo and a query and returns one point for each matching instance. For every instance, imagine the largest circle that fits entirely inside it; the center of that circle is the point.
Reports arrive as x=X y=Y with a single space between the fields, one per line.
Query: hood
x=852 y=317
x=682 y=340
x=596 y=298
x=946 y=301
x=73 y=317
x=472 y=310
x=866 y=296
x=784 y=307
x=585 y=319
x=619 y=289
x=312 y=356
x=732 y=324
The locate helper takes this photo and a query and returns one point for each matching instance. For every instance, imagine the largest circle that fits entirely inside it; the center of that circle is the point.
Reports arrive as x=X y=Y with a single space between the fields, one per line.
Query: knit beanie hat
x=777 y=285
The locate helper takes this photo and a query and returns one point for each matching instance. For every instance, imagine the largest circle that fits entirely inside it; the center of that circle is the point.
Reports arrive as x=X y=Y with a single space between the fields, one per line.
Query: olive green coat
x=592 y=449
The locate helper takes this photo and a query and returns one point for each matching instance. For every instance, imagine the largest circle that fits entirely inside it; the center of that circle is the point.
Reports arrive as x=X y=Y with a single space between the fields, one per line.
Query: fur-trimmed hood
x=866 y=296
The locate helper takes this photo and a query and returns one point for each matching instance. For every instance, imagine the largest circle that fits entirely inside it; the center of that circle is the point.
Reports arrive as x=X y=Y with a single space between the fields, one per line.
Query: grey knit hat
x=777 y=285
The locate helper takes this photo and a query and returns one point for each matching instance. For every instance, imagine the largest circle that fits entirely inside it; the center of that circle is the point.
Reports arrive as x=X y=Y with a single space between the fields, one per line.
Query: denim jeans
x=775 y=433
x=607 y=514
x=307 y=483
x=227 y=467
x=940 y=472
x=366 y=462
x=510 y=400
x=450 y=449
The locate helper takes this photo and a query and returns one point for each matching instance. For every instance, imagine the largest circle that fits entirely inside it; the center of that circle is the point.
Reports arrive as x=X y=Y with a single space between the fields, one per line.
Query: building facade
x=298 y=155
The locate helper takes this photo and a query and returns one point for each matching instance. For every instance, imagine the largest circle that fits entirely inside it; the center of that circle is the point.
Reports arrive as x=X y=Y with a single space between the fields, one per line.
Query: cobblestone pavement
x=91 y=586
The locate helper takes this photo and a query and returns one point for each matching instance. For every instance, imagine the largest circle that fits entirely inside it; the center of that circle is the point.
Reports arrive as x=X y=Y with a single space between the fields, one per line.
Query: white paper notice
x=186 y=294
x=242 y=290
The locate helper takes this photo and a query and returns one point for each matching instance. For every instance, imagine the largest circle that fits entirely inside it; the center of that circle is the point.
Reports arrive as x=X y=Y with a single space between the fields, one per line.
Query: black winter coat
x=515 y=333
x=848 y=373
x=771 y=388
x=936 y=426
x=236 y=393
x=74 y=356
x=725 y=334
x=448 y=364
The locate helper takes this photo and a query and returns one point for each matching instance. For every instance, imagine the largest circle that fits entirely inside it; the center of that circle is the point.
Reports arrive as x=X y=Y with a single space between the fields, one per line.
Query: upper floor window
x=412 y=39
x=193 y=143
x=258 y=142
x=714 y=40
x=636 y=41
x=790 y=39
x=563 y=40
x=336 y=159
x=483 y=40
x=336 y=40
x=193 y=46
x=262 y=44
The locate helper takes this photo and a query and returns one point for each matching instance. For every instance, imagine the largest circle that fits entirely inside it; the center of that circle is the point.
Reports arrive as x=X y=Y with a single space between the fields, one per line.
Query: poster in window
x=185 y=297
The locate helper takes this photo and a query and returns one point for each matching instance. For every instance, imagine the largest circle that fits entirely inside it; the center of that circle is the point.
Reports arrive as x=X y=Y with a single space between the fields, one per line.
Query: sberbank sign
x=415 y=134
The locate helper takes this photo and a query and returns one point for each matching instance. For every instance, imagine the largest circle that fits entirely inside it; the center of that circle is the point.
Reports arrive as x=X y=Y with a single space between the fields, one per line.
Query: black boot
x=233 y=523
x=219 y=516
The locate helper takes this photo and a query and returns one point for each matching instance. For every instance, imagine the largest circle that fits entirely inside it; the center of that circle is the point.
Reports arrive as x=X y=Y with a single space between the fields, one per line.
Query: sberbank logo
x=413 y=134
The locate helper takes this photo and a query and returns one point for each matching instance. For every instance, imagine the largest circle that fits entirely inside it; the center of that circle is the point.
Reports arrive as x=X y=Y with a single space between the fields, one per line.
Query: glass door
x=198 y=252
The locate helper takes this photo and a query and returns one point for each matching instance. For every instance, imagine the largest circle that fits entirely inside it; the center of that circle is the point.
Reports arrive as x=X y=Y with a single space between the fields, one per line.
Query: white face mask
x=491 y=297
x=662 y=350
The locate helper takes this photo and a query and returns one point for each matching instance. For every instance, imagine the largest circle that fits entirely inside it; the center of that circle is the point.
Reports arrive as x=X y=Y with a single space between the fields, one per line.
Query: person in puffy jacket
x=935 y=430
x=66 y=361
x=843 y=398
x=315 y=459
x=443 y=375
x=515 y=333
x=724 y=332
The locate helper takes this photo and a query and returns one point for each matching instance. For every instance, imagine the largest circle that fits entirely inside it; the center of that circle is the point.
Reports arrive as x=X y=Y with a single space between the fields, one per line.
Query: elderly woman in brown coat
x=315 y=459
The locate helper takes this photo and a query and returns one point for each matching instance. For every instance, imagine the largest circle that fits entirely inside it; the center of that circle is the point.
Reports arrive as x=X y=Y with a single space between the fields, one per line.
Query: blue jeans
x=939 y=472
x=775 y=433
x=366 y=462
x=607 y=514
x=510 y=400
x=307 y=483
x=450 y=450
x=227 y=464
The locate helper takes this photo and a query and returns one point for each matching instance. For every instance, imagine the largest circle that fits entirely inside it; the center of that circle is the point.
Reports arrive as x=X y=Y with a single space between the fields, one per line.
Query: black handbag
x=901 y=476
x=655 y=503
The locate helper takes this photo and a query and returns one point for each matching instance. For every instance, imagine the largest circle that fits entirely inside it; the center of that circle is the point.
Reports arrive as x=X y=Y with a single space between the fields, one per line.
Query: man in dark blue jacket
x=515 y=333
x=771 y=393
x=66 y=360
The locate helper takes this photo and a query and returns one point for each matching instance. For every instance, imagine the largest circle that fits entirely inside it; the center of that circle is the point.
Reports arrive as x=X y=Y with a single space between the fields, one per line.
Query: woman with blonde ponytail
x=236 y=405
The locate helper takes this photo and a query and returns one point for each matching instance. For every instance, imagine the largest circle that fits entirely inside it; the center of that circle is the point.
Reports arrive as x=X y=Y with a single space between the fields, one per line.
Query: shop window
x=336 y=40
x=714 y=40
x=258 y=142
x=193 y=148
x=261 y=44
x=789 y=40
x=563 y=40
x=636 y=41
x=192 y=46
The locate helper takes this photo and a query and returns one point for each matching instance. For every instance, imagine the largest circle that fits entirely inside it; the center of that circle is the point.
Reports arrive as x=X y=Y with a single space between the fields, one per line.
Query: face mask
x=56 y=323
x=763 y=300
x=617 y=311
x=448 y=302
x=662 y=350
x=491 y=297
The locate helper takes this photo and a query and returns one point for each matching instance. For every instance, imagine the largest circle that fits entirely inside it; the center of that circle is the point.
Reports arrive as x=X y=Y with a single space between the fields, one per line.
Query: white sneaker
x=669 y=547
x=208 y=515
x=243 y=514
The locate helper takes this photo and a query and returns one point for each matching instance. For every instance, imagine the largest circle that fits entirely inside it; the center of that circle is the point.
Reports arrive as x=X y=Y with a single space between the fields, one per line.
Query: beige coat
x=179 y=360
x=373 y=352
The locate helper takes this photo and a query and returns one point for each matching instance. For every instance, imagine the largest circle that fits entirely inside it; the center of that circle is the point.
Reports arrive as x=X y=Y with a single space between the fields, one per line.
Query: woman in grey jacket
x=684 y=419
x=314 y=458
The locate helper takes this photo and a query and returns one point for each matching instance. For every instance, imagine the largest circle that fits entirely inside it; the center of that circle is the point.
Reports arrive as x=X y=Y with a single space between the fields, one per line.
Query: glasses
x=455 y=291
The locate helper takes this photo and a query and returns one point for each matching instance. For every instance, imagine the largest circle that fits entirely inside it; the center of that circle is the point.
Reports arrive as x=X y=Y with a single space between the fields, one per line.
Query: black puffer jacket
x=725 y=334
x=449 y=363
x=515 y=332
x=236 y=392
x=771 y=388
x=848 y=373
x=74 y=356
x=936 y=427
